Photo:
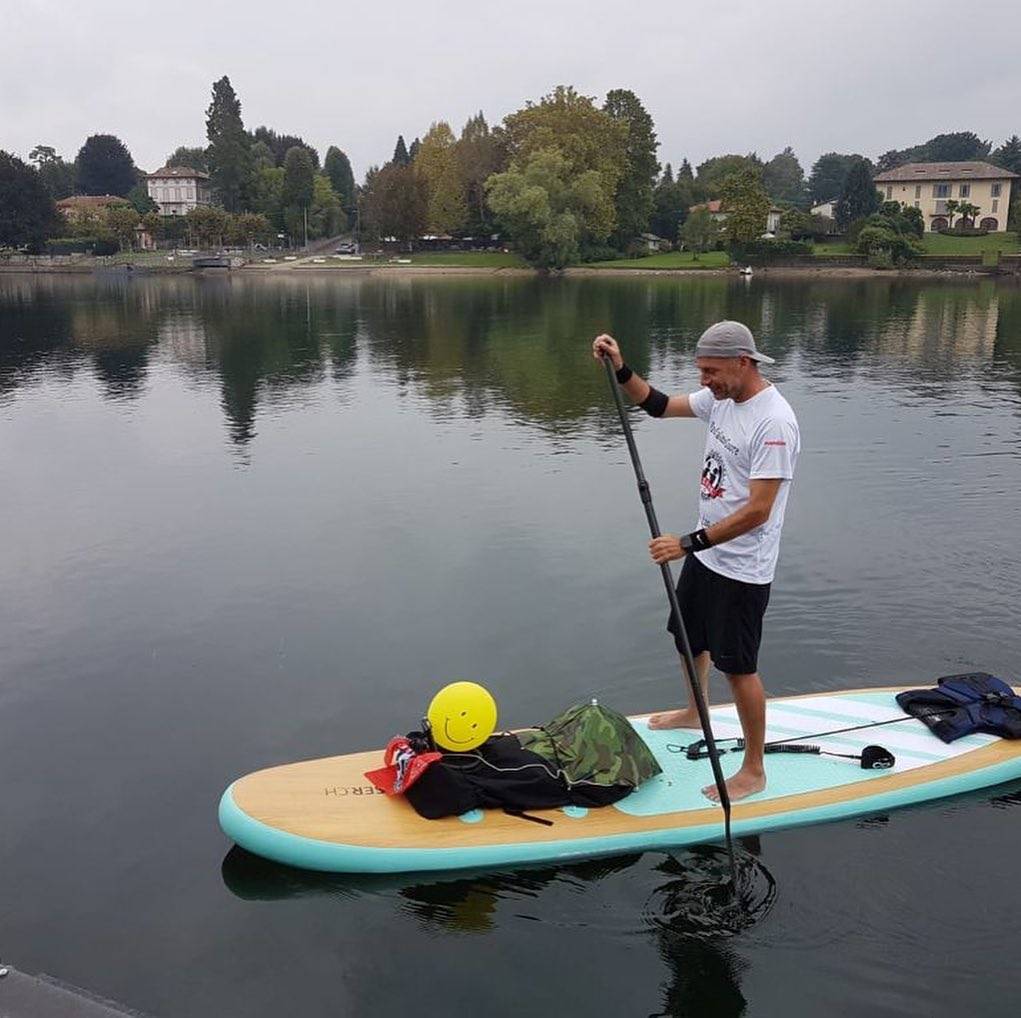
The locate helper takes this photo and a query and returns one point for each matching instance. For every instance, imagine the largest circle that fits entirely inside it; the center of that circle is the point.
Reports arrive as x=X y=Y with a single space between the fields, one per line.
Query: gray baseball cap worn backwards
x=729 y=339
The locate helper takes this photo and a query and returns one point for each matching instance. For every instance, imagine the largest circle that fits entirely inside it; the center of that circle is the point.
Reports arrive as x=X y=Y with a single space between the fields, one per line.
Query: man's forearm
x=636 y=388
x=747 y=518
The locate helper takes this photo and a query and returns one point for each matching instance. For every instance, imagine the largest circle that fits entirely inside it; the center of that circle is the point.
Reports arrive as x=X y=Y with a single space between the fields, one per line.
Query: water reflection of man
x=752 y=445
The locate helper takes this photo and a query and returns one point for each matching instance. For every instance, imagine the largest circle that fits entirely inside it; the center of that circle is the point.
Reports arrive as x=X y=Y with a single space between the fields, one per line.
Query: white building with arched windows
x=929 y=186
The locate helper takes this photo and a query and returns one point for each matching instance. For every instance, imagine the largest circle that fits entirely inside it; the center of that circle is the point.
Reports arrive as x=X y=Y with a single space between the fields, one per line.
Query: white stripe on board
x=830 y=710
x=922 y=749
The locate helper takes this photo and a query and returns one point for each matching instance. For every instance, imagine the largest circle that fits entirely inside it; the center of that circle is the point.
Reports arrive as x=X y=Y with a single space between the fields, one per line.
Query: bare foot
x=740 y=786
x=687 y=718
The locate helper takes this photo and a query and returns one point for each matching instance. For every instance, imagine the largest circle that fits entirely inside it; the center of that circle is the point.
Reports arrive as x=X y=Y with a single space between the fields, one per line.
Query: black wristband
x=699 y=540
x=623 y=374
x=655 y=403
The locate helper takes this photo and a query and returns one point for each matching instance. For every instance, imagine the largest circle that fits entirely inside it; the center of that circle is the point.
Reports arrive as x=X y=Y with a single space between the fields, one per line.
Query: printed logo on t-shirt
x=713 y=473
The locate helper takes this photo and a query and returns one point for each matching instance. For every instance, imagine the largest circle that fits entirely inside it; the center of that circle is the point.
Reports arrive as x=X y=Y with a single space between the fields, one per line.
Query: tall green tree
x=27 y=212
x=299 y=177
x=338 y=169
x=281 y=144
x=1008 y=155
x=714 y=171
x=57 y=176
x=829 y=174
x=267 y=193
x=438 y=166
x=400 y=156
x=859 y=197
x=784 y=179
x=671 y=200
x=262 y=157
x=230 y=152
x=746 y=203
x=633 y=201
x=104 y=166
x=325 y=215
x=481 y=152
x=298 y=188
x=548 y=209
x=394 y=203
x=193 y=156
x=572 y=124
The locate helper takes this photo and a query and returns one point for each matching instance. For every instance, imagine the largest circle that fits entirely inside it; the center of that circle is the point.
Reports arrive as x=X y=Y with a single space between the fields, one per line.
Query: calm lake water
x=247 y=521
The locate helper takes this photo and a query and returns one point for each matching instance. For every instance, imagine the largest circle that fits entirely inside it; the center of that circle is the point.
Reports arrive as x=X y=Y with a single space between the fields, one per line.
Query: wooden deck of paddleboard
x=330 y=801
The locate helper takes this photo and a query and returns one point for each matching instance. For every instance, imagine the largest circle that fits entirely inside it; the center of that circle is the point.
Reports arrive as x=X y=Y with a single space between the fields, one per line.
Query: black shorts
x=722 y=616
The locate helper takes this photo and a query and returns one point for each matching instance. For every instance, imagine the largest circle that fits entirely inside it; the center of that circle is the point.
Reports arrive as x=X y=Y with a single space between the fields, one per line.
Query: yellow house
x=929 y=186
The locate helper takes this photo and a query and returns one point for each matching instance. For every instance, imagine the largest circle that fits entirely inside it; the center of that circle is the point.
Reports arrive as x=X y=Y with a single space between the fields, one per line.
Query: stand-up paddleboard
x=324 y=814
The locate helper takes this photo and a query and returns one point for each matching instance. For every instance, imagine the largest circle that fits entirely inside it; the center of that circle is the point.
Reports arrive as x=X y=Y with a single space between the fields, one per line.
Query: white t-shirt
x=746 y=441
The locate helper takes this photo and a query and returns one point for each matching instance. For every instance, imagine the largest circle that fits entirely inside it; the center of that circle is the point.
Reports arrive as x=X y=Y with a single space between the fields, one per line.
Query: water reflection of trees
x=517 y=344
x=270 y=341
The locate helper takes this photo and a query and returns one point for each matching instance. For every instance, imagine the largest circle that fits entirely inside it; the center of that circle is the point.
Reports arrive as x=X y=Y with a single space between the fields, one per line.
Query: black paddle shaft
x=686 y=656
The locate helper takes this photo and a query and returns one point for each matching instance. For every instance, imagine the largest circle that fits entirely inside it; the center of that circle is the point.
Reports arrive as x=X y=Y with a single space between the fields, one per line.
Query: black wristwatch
x=697 y=540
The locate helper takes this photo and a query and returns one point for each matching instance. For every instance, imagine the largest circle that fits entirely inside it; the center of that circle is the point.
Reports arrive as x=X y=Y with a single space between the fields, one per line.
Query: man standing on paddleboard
x=751 y=449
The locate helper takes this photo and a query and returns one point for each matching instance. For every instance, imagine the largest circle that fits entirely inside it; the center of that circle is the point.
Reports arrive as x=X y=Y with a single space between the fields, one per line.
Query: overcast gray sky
x=733 y=77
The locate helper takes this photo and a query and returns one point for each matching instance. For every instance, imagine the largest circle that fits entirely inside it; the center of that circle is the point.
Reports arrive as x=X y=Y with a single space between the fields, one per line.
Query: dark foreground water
x=246 y=521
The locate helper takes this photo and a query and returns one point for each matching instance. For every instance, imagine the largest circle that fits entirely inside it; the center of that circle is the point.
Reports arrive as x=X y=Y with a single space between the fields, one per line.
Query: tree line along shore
x=563 y=181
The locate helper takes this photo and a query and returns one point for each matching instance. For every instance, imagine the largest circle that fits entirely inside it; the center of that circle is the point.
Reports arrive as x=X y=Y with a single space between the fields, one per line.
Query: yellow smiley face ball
x=462 y=716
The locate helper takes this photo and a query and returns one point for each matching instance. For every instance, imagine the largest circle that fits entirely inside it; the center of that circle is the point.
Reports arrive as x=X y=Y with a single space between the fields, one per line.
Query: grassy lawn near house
x=831 y=248
x=943 y=244
x=669 y=260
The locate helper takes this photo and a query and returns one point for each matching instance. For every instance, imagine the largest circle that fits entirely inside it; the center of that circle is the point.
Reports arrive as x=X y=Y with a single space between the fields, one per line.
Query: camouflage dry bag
x=594 y=744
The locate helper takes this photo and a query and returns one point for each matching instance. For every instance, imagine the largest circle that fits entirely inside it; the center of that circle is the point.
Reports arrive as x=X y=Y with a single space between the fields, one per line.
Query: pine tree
x=400 y=156
x=338 y=169
x=229 y=153
x=413 y=149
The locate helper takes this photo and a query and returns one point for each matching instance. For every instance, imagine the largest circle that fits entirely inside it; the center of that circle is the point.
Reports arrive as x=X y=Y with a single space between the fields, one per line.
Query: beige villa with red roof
x=929 y=186
x=79 y=206
x=178 y=189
